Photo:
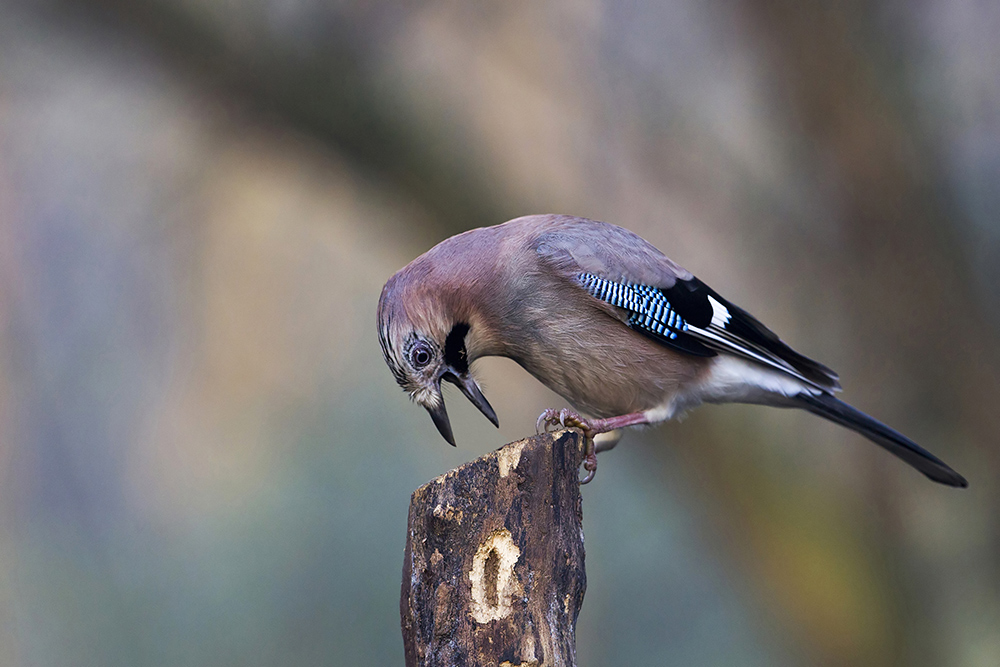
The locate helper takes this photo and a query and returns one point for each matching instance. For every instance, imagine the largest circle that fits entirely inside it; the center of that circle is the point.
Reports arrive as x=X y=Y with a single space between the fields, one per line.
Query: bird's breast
x=600 y=365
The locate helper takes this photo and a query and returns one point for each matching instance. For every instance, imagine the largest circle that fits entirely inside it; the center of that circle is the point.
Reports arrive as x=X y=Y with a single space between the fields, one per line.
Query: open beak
x=440 y=418
x=467 y=386
x=472 y=392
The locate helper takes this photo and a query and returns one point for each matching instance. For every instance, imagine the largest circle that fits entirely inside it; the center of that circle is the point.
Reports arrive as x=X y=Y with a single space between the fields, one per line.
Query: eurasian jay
x=605 y=320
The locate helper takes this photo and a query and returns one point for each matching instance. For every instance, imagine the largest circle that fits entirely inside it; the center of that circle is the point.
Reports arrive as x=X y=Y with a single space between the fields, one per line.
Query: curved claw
x=548 y=418
x=569 y=419
x=589 y=461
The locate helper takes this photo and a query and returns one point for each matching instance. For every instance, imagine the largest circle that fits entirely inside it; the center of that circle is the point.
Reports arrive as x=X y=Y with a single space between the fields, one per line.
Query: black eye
x=420 y=355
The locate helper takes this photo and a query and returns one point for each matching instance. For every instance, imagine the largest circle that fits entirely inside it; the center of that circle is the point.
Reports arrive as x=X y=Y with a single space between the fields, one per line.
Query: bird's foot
x=569 y=419
x=589 y=460
x=565 y=418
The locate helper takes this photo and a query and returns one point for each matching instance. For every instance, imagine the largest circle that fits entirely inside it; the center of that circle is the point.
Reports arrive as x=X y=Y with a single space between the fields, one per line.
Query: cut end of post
x=494 y=563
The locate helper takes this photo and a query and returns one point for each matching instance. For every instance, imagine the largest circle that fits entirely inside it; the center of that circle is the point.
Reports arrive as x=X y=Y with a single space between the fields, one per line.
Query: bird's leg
x=590 y=428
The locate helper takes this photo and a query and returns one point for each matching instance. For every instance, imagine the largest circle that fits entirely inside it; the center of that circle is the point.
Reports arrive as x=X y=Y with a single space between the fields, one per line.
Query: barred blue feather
x=650 y=312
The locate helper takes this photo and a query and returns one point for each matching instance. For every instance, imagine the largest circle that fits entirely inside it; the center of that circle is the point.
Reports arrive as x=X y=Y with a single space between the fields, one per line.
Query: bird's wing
x=658 y=298
x=571 y=246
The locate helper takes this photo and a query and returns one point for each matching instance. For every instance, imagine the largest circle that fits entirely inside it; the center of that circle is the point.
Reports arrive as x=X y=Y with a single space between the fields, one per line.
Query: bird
x=600 y=316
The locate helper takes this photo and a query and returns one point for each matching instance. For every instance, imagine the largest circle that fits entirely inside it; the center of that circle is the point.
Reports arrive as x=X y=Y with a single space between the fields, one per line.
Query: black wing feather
x=685 y=318
x=743 y=329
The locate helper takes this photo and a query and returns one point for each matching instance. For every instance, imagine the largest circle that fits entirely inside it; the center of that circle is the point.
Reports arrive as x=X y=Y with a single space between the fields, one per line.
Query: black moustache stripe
x=454 y=348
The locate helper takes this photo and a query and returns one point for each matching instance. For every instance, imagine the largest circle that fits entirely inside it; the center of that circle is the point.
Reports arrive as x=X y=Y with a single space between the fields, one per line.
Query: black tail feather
x=828 y=407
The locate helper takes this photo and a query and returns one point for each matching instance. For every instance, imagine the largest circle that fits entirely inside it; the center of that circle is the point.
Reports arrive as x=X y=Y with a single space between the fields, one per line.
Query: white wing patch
x=720 y=314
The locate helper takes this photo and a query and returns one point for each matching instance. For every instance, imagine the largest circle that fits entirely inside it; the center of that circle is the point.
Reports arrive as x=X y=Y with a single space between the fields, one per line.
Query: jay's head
x=425 y=341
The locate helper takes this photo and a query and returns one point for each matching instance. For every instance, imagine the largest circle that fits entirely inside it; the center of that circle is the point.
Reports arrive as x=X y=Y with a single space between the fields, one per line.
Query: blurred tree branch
x=896 y=224
x=331 y=94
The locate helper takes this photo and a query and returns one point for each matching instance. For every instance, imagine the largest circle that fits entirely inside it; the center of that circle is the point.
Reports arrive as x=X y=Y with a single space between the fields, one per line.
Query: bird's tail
x=829 y=407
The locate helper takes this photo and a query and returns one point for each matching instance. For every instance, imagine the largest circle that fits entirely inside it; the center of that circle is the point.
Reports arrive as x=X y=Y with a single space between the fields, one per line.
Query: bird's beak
x=474 y=394
x=468 y=386
x=439 y=415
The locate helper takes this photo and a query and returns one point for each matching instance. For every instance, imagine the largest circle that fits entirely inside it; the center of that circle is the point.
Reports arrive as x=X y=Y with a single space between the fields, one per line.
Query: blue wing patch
x=649 y=311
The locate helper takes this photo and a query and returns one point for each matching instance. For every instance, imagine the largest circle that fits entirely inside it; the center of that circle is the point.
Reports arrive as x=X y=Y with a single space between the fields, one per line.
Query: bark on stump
x=493 y=572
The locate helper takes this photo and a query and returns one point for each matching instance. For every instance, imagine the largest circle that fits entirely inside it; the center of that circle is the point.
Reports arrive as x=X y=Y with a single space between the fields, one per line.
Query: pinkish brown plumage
x=606 y=321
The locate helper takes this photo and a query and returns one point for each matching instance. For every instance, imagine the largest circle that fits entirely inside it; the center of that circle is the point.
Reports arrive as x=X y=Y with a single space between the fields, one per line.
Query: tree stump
x=493 y=572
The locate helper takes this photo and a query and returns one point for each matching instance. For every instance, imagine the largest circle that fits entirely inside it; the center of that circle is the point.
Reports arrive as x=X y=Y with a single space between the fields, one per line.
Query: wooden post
x=493 y=572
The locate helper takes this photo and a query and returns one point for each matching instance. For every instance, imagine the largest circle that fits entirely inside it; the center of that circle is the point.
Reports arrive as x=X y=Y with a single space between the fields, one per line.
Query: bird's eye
x=420 y=355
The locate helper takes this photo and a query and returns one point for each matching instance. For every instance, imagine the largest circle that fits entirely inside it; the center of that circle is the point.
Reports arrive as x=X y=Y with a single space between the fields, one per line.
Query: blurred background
x=203 y=459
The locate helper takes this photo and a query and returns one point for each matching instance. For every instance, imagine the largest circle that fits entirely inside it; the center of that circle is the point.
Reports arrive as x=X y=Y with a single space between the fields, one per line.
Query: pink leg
x=621 y=421
x=590 y=428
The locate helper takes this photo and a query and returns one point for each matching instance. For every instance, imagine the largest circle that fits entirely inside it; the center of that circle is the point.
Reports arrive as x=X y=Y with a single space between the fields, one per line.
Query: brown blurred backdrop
x=203 y=460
